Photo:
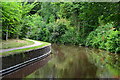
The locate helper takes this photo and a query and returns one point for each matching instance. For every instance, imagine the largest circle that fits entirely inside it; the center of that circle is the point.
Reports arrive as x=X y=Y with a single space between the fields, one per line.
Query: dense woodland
x=92 y=24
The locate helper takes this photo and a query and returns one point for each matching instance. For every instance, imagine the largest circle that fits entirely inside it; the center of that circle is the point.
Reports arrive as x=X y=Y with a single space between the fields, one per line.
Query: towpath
x=36 y=43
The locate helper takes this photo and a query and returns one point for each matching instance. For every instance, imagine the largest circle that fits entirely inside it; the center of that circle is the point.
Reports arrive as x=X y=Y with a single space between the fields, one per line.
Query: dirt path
x=36 y=43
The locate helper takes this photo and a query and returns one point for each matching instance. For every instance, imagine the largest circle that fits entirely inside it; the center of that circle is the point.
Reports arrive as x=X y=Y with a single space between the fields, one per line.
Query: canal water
x=68 y=61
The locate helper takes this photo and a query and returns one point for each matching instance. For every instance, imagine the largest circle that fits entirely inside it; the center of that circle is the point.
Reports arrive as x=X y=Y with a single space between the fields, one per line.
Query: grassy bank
x=13 y=43
x=24 y=49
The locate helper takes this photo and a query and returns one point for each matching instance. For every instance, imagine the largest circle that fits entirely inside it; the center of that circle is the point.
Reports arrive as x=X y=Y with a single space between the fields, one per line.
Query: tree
x=12 y=14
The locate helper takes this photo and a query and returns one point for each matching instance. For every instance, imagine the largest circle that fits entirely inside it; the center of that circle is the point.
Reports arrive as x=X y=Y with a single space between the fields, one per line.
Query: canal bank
x=17 y=58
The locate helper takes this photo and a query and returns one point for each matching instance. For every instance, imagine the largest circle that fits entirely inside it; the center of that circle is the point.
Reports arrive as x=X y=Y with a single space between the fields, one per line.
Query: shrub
x=104 y=37
x=113 y=41
x=69 y=36
x=60 y=27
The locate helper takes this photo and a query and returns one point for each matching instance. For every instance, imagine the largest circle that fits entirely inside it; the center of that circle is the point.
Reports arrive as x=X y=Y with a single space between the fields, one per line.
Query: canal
x=68 y=61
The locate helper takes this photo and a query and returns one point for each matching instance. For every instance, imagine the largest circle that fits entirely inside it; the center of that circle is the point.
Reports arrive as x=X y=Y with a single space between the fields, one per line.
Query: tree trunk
x=78 y=25
x=17 y=36
x=7 y=33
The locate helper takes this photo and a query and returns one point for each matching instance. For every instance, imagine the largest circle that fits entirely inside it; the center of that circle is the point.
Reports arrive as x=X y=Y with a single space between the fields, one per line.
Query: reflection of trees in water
x=58 y=52
x=75 y=63
x=107 y=63
x=67 y=62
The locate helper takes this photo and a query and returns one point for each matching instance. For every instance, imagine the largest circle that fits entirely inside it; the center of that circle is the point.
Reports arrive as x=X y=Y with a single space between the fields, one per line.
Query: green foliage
x=113 y=41
x=80 y=23
x=69 y=36
x=60 y=27
x=48 y=11
x=44 y=34
x=11 y=17
x=72 y=37
x=12 y=14
x=104 y=37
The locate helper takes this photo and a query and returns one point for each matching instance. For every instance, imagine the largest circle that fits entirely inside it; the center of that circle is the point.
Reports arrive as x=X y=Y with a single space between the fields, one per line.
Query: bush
x=44 y=34
x=104 y=37
x=69 y=36
x=72 y=36
x=59 y=29
x=113 y=41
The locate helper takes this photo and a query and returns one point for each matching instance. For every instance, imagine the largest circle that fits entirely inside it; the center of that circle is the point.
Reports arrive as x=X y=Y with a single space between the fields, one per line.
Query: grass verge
x=13 y=43
x=24 y=49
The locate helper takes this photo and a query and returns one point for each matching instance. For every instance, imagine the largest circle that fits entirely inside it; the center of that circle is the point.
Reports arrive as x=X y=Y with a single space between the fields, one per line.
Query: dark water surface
x=68 y=61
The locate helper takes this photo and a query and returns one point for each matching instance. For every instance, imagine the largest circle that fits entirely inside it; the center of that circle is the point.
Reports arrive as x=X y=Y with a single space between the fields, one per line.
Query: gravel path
x=36 y=43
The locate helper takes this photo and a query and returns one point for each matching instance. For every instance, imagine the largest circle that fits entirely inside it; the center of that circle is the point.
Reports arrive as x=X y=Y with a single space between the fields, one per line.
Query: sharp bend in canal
x=66 y=61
